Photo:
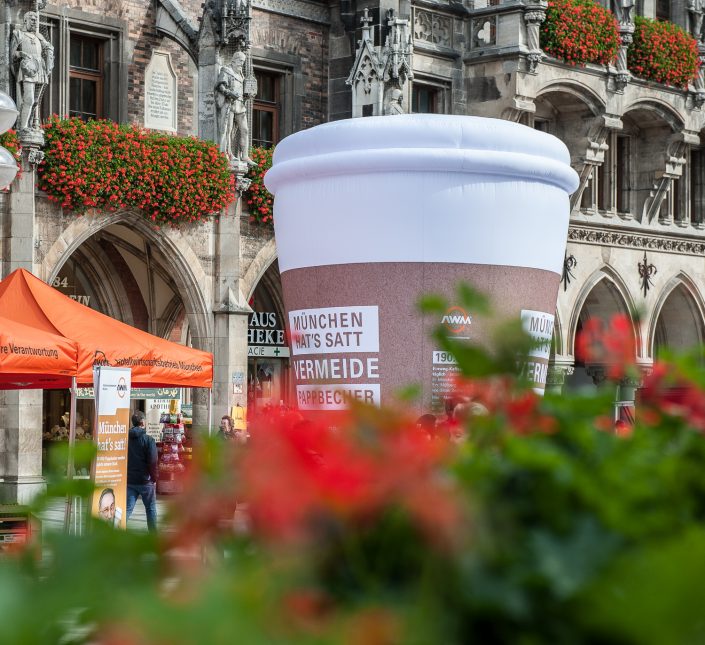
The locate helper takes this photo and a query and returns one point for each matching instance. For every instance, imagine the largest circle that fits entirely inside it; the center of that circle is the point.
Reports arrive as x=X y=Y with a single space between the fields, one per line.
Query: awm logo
x=456 y=320
x=122 y=387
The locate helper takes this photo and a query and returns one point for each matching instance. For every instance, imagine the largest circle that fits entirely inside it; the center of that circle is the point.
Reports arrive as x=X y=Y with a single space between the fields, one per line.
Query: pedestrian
x=142 y=470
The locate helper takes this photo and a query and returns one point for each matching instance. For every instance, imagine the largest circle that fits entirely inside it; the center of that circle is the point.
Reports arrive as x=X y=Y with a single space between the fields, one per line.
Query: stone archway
x=678 y=322
x=602 y=299
x=191 y=280
x=258 y=267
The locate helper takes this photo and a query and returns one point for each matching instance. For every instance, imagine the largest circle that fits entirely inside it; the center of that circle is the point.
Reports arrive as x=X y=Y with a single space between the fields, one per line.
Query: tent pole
x=72 y=445
x=210 y=410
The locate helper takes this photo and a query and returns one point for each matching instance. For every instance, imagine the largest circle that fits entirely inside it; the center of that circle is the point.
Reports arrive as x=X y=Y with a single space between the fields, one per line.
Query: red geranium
x=579 y=32
x=100 y=164
x=258 y=199
x=663 y=52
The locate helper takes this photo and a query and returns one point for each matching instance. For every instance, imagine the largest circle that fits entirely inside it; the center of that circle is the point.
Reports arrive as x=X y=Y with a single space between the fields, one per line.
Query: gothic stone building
x=636 y=240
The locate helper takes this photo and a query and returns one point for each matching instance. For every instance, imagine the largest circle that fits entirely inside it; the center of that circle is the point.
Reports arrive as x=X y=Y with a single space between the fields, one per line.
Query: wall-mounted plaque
x=160 y=93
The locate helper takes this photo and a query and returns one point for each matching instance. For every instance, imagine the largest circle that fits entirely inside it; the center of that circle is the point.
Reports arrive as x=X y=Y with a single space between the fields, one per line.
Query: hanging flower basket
x=100 y=164
x=663 y=52
x=579 y=32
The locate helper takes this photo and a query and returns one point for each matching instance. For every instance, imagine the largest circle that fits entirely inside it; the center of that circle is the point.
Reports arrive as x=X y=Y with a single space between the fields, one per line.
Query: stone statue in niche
x=32 y=60
x=394 y=102
x=696 y=8
x=232 y=91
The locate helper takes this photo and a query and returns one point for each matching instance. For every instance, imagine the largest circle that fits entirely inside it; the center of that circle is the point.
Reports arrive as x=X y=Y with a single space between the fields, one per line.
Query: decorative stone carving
x=433 y=28
x=556 y=375
x=394 y=103
x=311 y=11
x=620 y=75
x=646 y=271
x=696 y=10
x=569 y=263
x=484 y=31
x=597 y=373
x=623 y=11
x=673 y=169
x=379 y=77
x=232 y=91
x=397 y=52
x=661 y=243
x=520 y=107
x=592 y=151
x=236 y=16
x=534 y=15
x=32 y=61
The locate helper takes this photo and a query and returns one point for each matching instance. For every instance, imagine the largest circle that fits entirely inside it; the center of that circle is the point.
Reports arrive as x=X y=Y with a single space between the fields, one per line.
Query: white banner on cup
x=334 y=330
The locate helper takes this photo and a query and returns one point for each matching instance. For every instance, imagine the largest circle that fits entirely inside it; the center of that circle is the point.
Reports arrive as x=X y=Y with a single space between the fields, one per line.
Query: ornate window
x=90 y=77
x=266 y=111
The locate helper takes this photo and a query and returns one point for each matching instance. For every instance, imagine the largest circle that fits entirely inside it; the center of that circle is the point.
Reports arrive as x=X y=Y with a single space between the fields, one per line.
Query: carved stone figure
x=232 y=90
x=696 y=8
x=394 y=102
x=623 y=10
x=32 y=59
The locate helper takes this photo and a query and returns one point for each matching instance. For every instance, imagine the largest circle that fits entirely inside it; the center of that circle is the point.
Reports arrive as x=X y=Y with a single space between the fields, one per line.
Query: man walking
x=142 y=470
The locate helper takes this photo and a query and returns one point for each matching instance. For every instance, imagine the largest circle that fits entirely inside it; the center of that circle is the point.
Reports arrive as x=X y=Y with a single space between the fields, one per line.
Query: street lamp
x=8 y=116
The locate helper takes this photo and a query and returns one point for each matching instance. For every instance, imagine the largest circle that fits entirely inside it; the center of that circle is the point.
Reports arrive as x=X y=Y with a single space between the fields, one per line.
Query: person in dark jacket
x=142 y=470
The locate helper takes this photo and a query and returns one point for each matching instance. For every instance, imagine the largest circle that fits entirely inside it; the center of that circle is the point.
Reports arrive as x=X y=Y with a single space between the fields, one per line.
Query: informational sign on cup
x=335 y=356
x=539 y=326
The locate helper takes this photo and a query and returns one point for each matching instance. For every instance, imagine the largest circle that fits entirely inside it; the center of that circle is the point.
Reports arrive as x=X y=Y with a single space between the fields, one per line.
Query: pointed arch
x=557 y=343
x=694 y=299
x=258 y=267
x=191 y=280
x=622 y=299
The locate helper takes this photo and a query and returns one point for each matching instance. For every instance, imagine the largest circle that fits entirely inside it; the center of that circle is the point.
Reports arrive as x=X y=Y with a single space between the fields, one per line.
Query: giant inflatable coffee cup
x=371 y=213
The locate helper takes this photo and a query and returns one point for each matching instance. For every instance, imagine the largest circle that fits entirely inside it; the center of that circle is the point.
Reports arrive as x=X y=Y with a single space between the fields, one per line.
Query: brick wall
x=303 y=44
x=142 y=39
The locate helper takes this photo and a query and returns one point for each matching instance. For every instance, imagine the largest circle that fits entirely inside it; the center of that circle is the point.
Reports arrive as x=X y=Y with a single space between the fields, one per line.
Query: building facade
x=637 y=234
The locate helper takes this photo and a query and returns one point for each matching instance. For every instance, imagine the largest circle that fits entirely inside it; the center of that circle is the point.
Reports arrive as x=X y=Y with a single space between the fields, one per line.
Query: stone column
x=231 y=313
x=20 y=410
x=534 y=15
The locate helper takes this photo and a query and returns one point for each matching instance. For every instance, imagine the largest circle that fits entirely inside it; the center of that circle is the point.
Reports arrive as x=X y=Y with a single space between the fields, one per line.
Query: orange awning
x=101 y=340
x=33 y=359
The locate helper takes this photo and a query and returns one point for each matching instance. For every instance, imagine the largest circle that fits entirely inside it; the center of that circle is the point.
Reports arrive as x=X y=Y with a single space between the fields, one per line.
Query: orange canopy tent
x=33 y=359
x=101 y=340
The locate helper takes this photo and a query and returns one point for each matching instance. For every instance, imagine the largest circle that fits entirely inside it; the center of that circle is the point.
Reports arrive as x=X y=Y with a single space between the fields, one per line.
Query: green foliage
x=544 y=526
